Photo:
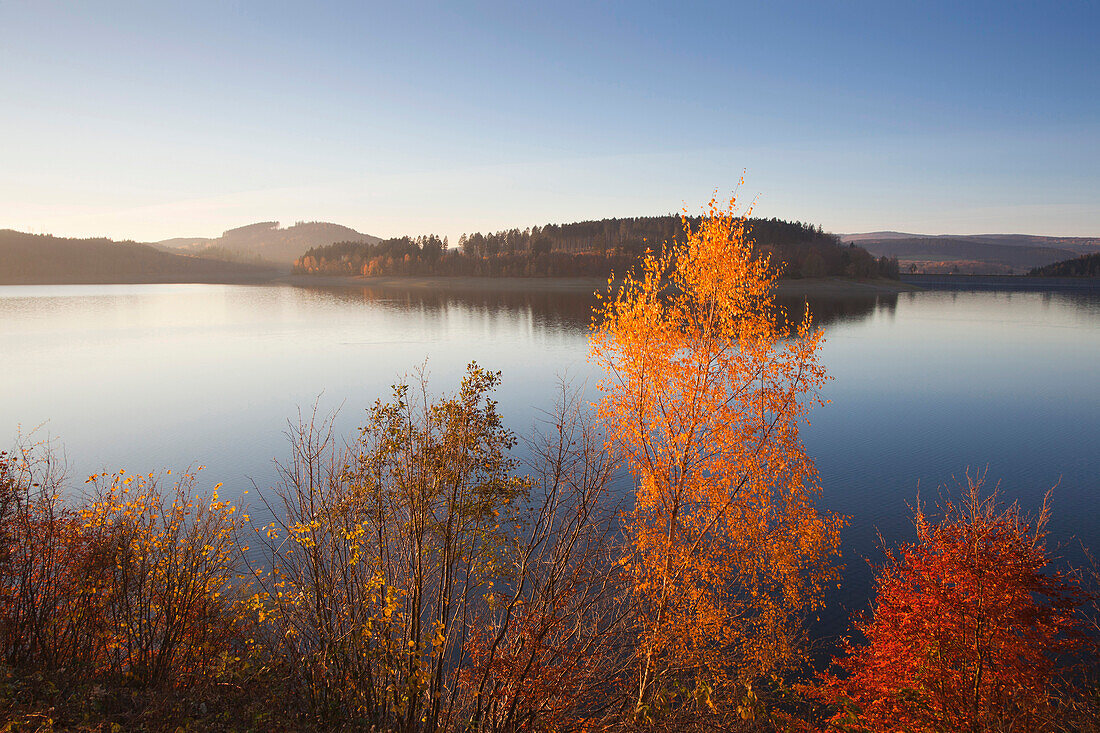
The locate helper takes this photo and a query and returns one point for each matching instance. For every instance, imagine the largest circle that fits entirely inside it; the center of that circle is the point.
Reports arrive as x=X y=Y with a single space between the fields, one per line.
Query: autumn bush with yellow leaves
x=131 y=588
x=416 y=579
x=133 y=584
x=170 y=609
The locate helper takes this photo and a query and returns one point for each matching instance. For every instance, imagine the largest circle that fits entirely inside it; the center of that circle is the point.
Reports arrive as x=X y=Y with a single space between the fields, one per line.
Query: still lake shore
x=808 y=286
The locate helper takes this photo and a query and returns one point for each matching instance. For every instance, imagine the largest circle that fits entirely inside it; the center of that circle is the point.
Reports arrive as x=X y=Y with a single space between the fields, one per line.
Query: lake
x=924 y=385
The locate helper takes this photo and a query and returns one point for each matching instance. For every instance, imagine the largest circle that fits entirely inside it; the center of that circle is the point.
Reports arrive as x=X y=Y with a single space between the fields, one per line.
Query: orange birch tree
x=705 y=386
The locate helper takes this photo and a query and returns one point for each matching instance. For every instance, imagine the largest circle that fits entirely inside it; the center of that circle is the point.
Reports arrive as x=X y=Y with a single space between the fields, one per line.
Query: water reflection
x=1087 y=302
x=569 y=309
x=828 y=310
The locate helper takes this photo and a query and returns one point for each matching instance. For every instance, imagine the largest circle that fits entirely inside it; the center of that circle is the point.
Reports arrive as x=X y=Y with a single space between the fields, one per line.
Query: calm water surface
x=924 y=385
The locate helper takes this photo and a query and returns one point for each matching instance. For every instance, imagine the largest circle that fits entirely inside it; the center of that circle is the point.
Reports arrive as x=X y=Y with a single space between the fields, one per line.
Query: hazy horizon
x=454 y=240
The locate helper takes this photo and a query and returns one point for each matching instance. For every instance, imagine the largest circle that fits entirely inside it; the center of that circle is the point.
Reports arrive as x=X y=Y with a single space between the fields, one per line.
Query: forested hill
x=30 y=259
x=266 y=241
x=587 y=248
x=1083 y=266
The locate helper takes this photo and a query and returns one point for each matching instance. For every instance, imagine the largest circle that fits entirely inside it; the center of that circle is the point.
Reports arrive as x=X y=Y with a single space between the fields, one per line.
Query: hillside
x=30 y=259
x=928 y=250
x=181 y=243
x=974 y=254
x=1082 y=244
x=267 y=242
x=875 y=236
x=1083 y=266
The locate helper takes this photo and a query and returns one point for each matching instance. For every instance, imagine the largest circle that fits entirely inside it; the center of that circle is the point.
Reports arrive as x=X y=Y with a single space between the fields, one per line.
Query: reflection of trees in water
x=835 y=309
x=569 y=310
x=1082 y=300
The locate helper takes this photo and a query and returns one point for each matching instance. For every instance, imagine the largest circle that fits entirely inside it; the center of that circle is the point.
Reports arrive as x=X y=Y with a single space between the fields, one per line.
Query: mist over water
x=924 y=385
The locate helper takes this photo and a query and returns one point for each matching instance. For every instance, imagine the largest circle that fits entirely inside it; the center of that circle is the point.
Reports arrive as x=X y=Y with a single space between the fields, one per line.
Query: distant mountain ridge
x=266 y=241
x=978 y=254
x=1037 y=240
x=41 y=259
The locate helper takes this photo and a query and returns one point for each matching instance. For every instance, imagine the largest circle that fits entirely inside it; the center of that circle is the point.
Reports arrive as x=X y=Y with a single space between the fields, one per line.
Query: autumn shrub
x=51 y=569
x=968 y=629
x=318 y=605
x=132 y=584
x=706 y=384
x=416 y=581
x=169 y=605
x=552 y=644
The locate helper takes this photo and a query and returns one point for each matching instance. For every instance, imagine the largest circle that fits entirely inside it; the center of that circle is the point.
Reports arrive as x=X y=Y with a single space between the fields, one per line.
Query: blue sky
x=145 y=120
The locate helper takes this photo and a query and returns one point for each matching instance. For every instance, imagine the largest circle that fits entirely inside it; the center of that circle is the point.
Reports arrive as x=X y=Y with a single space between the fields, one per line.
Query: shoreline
x=809 y=286
x=824 y=287
x=1015 y=283
x=446 y=282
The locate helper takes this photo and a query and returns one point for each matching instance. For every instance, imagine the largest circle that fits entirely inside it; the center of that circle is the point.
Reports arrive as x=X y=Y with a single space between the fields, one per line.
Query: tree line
x=1083 y=266
x=418 y=577
x=585 y=249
